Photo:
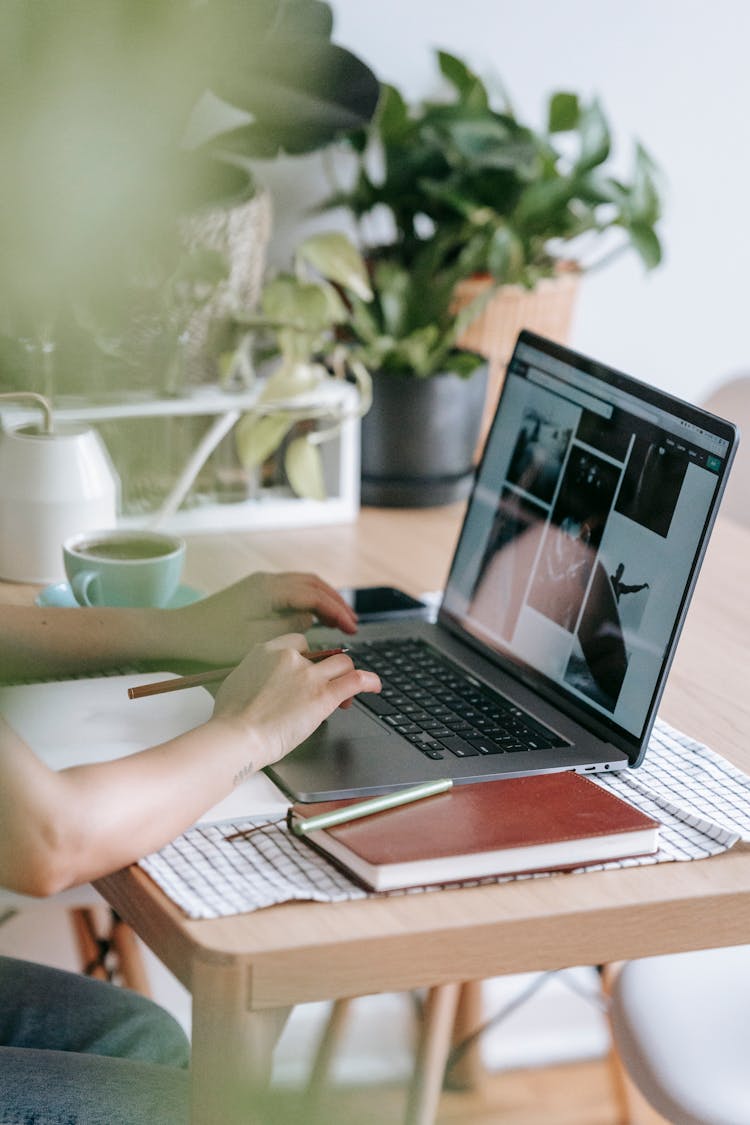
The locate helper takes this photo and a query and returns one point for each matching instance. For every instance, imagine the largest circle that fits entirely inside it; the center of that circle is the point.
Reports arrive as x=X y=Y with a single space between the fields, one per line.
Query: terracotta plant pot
x=546 y=309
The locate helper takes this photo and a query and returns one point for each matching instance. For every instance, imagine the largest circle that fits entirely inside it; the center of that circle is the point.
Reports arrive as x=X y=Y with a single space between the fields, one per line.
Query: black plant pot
x=419 y=438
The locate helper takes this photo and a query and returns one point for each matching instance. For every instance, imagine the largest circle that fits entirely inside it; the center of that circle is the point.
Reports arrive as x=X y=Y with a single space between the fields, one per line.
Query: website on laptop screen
x=582 y=532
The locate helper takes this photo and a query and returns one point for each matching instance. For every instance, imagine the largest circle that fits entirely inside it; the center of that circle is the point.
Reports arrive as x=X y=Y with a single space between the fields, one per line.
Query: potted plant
x=119 y=125
x=128 y=136
x=518 y=213
x=296 y=329
x=420 y=435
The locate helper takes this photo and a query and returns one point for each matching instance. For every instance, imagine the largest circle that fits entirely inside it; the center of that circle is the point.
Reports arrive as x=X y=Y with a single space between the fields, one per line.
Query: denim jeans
x=75 y=1051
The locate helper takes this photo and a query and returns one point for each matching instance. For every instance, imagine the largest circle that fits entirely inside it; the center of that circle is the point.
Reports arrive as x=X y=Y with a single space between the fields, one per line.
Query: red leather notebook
x=540 y=823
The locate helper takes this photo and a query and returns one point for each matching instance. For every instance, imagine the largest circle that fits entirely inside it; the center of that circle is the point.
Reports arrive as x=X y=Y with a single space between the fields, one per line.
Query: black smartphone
x=382 y=603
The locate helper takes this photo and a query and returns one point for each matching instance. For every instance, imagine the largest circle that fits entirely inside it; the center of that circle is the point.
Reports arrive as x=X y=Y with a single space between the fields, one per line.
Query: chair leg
x=327 y=1045
x=449 y=1014
x=432 y=1054
x=111 y=952
x=468 y=1072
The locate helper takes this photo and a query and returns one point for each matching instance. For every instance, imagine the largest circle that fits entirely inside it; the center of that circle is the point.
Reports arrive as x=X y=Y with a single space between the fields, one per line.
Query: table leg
x=468 y=1071
x=232 y=1046
x=432 y=1054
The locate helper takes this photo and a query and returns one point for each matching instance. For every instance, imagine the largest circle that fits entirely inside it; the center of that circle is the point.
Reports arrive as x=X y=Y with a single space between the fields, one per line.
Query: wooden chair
x=108 y=948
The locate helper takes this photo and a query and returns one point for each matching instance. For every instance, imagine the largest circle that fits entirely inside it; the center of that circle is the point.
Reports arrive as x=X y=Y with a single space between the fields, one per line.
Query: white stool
x=680 y=1027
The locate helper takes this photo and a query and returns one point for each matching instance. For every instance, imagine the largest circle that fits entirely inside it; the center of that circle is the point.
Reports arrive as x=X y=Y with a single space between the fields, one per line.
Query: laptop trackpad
x=344 y=725
x=349 y=753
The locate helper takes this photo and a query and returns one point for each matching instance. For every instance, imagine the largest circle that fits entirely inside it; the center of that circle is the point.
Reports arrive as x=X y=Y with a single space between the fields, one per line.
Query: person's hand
x=221 y=628
x=278 y=697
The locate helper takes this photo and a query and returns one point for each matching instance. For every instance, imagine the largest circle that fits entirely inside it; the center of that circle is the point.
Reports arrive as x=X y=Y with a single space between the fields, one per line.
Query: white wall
x=672 y=73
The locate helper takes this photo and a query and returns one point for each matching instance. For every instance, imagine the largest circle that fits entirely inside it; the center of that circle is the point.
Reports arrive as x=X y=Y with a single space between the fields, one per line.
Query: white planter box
x=206 y=408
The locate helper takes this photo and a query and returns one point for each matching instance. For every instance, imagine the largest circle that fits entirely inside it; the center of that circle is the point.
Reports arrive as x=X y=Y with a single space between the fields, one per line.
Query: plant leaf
x=206 y=177
x=300 y=91
x=298 y=304
x=468 y=85
x=564 y=112
x=595 y=140
x=487 y=144
x=543 y=205
x=363 y=322
x=298 y=377
x=363 y=380
x=337 y=259
x=304 y=468
x=392 y=116
x=257 y=438
x=464 y=364
x=594 y=188
x=392 y=282
x=338 y=313
x=505 y=255
x=311 y=17
x=416 y=350
x=646 y=242
x=644 y=204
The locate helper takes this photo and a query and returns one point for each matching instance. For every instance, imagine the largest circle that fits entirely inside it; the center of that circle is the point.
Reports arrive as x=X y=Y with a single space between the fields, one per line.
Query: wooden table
x=240 y=970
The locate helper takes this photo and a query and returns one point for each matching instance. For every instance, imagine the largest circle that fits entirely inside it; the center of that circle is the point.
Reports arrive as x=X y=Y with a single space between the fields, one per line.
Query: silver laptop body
x=579 y=552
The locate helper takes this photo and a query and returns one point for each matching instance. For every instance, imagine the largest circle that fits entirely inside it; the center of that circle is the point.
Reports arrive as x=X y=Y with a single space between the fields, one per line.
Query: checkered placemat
x=700 y=799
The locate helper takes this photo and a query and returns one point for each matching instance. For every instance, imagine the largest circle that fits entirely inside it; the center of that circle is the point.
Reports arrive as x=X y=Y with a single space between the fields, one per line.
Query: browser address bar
x=567 y=390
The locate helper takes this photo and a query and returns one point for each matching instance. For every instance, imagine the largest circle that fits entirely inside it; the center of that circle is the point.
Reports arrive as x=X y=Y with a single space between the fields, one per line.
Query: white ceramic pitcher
x=54 y=481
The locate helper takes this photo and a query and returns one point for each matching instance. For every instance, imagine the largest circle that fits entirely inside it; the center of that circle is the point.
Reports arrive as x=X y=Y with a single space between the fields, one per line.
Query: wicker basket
x=241 y=234
x=546 y=309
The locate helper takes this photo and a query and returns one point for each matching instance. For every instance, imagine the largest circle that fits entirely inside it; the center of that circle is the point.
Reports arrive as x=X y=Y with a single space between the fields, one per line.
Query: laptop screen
x=584 y=531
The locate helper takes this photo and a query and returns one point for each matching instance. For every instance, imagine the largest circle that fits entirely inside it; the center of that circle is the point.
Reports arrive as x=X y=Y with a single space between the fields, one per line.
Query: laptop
x=580 y=548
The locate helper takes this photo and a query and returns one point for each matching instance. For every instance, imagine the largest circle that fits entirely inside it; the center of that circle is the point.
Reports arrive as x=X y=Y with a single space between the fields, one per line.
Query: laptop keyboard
x=440 y=709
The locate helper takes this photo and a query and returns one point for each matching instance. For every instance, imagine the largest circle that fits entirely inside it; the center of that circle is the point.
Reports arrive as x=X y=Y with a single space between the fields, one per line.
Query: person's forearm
x=142 y=802
x=63 y=828
x=35 y=643
x=218 y=629
x=73 y=826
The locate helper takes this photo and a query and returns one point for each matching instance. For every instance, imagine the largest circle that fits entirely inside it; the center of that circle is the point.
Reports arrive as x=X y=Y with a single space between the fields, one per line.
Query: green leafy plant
x=491 y=193
x=120 y=118
x=301 y=314
x=410 y=327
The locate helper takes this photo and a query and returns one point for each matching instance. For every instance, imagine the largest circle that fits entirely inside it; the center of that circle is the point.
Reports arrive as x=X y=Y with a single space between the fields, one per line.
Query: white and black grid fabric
x=700 y=799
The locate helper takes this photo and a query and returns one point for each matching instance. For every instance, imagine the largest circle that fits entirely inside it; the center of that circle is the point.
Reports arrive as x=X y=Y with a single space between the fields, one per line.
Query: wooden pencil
x=213 y=675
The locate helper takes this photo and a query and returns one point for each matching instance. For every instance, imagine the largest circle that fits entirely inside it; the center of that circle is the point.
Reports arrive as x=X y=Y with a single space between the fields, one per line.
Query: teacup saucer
x=60 y=594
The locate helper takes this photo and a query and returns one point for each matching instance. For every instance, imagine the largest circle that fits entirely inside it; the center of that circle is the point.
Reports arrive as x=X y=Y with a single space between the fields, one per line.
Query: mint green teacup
x=123 y=567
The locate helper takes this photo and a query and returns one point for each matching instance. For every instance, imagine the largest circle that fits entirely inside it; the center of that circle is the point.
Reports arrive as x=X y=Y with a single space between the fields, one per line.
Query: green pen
x=372 y=805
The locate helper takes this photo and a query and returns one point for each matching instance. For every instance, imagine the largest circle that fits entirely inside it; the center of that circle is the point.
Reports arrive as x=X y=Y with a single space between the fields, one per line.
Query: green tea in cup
x=124 y=567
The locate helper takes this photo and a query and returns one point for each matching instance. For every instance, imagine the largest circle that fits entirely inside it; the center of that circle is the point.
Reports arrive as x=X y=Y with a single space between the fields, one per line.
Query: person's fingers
x=332 y=610
x=346 y=686
x=336 y=665
x=308 y=591
x=288 y=640
x=340 y=665
x=266 y=628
